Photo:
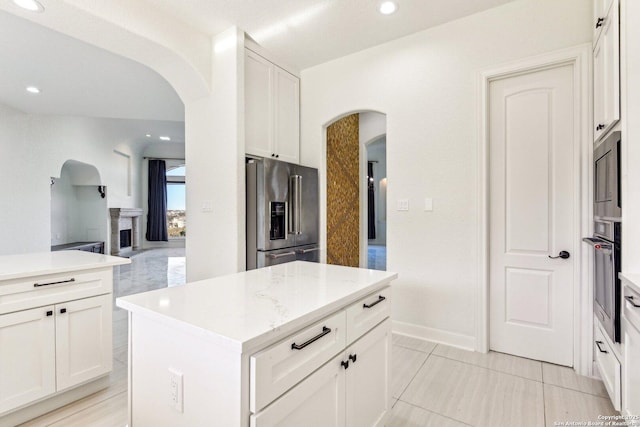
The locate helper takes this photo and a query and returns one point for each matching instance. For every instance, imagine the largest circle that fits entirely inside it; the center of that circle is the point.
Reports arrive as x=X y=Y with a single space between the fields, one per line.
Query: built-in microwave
x=606 y=157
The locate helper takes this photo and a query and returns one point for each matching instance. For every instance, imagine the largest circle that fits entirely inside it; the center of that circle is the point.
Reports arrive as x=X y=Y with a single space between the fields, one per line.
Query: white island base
x=289 y=345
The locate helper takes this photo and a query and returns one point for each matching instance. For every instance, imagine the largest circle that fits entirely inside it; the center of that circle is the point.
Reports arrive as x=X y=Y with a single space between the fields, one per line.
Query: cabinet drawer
x=281 y=366
x=608 y=366
x=631 y=308
x=24 y=293
x=363 y=315
x=317 y=401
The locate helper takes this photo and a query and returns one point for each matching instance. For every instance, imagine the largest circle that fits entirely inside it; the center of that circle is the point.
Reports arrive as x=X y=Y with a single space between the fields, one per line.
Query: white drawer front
x=24 y=293
x=363 y=315
x=608 y=366
x=631 y=307
x=318 y=401
x=281 y=366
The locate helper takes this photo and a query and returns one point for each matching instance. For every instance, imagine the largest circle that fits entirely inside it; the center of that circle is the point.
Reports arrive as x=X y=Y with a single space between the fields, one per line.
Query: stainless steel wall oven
x=607 y=210
x=607 y=287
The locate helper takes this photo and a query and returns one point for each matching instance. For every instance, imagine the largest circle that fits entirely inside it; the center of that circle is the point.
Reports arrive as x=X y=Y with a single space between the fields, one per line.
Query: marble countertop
x=632 y=278
x=244 y=310
x=38 y=264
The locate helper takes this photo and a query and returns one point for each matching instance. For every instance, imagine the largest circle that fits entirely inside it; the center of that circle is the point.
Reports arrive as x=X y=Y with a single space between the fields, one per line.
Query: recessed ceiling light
x=165 y=138
x=32 y=89
x=148 y=135
x=388 y=7
x=30 y=5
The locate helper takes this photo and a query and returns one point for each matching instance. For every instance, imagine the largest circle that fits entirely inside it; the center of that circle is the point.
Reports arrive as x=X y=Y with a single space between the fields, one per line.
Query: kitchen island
x=294 y=344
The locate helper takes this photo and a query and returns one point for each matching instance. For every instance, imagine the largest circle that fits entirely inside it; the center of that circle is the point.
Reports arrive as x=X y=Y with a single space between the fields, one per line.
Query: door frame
x=579 y=57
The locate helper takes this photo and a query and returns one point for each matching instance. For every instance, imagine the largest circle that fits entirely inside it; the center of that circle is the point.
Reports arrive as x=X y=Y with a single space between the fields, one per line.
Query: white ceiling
x=80 y=79
x=305 y=33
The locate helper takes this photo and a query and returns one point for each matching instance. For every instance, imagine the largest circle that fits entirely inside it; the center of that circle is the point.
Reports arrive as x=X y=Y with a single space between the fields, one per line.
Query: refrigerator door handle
x=306 y=251
x=295 y=203
x=284 y=254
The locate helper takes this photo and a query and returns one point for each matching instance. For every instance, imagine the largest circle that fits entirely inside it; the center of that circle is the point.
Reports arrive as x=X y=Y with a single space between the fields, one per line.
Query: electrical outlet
x=403 y=204
x=176 y=400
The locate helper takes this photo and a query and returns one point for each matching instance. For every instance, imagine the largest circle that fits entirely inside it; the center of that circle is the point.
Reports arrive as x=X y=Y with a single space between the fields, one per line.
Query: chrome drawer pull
x=632 y=301
x=600 y=348
x=380 y=299
x=37 y=285
x=324 y=332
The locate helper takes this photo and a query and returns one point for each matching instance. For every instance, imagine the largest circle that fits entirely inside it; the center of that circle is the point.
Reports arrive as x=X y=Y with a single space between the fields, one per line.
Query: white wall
x=33 y=149
x=215 y=162
x=426 y=83
x=630 y=86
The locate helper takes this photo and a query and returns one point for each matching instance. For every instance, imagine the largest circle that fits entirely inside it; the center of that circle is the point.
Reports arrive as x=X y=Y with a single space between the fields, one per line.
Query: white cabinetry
x=272 y=110
x=352 y=389
x=27 y=363
x=360 y=399
x=600 y=10
x=55 y=330
x=606 y=72
x=83 y=340
x=49 y=349
x=608 y=364
x=296 y=344
x=631 y=361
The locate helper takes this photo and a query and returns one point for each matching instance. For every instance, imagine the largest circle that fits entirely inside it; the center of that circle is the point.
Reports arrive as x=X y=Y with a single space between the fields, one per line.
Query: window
x=176 y=213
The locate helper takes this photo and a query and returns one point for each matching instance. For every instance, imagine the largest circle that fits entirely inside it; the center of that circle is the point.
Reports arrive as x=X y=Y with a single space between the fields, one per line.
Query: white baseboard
x=439 y=336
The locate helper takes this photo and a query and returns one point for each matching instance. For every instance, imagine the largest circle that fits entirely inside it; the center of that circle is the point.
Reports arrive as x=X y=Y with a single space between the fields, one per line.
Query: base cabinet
x=631 y=397
x=27 y=363
x=351 y=390
x=83 y=340
x=53 y=348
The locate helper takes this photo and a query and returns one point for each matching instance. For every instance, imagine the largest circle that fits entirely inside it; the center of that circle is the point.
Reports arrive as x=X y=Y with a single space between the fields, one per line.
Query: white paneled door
x=532 y=213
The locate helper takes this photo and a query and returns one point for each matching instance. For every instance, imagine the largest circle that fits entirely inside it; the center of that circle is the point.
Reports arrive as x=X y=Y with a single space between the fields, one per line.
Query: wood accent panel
x=343 y=192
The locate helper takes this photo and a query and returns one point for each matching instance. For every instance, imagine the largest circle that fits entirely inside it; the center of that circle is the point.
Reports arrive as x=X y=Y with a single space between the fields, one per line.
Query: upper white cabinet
x=600 y=11
x=606 y=71
x=272 y=110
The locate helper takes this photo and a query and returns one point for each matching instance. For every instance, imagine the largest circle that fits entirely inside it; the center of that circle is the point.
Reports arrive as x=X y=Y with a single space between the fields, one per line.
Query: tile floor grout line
x=544 y=403
x=433 y=412
x=577 y=391
x=413 y=377
x=488 y=369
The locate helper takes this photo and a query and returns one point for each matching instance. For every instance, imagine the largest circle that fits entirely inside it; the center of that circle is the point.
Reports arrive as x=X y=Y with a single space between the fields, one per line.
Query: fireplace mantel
x=125 y=219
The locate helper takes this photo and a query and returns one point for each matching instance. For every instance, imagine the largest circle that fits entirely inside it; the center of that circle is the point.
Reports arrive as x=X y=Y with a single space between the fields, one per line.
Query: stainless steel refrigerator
x=282 y=213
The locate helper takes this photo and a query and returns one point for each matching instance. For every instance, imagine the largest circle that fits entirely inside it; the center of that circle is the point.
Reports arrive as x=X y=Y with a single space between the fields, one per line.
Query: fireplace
x=125 y=225
x=125 y=238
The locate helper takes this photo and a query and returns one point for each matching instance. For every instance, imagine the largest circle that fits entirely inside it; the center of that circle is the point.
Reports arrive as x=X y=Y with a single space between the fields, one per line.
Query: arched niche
x=78 y=205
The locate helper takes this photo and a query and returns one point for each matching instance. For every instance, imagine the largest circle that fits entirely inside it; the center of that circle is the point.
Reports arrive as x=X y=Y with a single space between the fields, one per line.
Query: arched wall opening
x=344 y=162
x=79 y=206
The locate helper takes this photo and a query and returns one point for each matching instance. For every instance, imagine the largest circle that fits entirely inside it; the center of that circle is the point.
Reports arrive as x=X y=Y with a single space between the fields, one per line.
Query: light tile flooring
x=377 y=257
x=432 y=385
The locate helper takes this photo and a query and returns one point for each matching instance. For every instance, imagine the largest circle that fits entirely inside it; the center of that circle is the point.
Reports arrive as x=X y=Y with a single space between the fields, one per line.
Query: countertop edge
x=632 y=279
x=113 y=261
x=263 y=339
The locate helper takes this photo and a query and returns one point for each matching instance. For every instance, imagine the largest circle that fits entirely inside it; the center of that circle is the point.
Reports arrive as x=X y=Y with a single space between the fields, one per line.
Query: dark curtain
x=371 y=202
x=157 y=215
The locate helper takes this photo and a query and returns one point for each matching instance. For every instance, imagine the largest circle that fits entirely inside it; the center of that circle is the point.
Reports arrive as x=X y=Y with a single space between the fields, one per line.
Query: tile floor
x=431 y=384
x=377 y=257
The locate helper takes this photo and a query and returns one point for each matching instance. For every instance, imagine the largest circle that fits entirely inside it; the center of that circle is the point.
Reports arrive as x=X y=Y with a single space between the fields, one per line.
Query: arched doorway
x=347 y=223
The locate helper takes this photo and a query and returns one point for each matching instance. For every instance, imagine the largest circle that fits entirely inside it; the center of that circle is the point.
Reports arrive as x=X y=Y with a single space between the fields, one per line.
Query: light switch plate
x=428 y=204
x=403 y=204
